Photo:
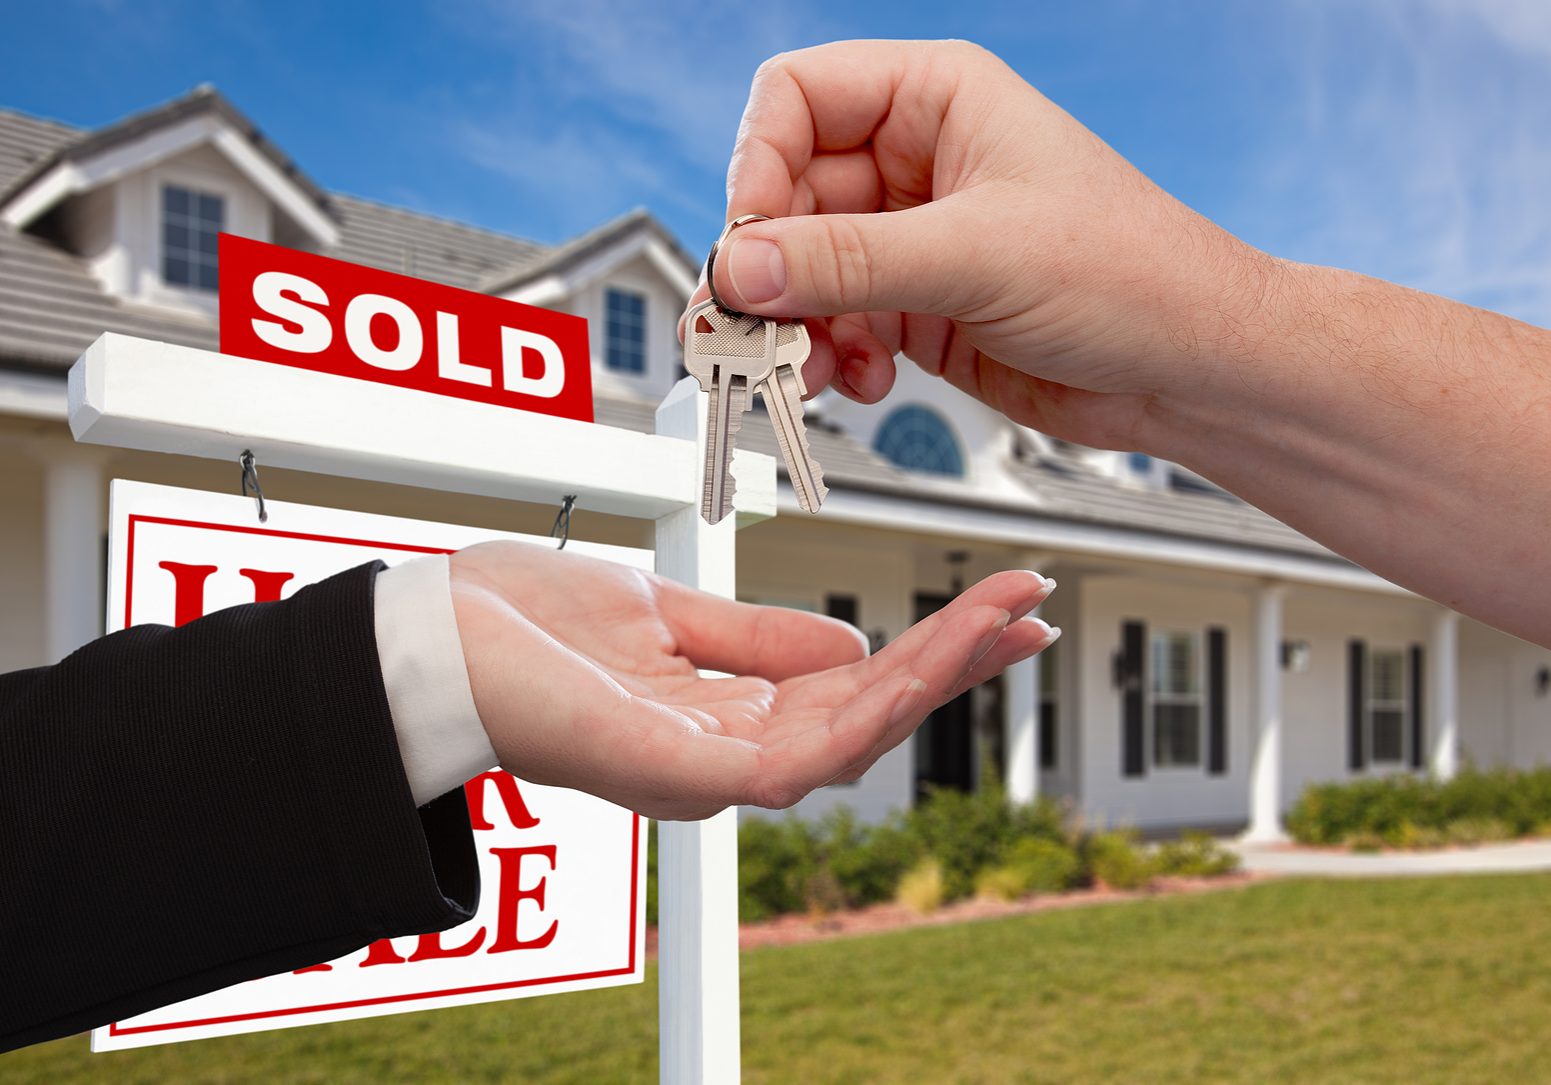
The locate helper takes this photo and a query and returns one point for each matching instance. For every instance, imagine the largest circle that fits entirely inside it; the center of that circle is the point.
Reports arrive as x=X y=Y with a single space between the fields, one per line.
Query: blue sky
x=1405 y=138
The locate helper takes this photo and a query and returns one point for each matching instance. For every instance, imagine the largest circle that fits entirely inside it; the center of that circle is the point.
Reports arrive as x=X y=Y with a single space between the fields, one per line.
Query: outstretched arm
x=1028 y=264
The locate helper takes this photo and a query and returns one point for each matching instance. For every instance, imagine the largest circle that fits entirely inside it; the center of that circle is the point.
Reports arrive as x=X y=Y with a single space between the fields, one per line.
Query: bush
x=1117 y=860
x=1477 y=830
x=1195 y=855
x=1405 y=811
x=776 y=862
x=1045 y=866
x=923 y=888
x=999 y=883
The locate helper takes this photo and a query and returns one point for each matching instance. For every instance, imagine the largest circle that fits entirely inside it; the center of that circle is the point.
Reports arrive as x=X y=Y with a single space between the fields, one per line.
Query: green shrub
x=1402 y=810
x=1118 y=860
x=1195 y=855
x=1044 y=866
x=1478 y=830
x=999 y=883
x=965 y=832
x=776 y=862
x=867 y=862
x=923 y=888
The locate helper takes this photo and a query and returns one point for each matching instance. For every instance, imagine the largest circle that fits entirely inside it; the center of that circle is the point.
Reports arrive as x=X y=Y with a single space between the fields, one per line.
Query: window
x=1387 y=705
x=1176 y=699
x=918 y=439
x=1049 y=755
x=625 y=314
x=191 y=223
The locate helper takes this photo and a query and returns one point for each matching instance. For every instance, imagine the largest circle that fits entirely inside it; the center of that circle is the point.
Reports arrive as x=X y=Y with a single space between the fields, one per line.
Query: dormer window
x=191 y=223
x=625 y=331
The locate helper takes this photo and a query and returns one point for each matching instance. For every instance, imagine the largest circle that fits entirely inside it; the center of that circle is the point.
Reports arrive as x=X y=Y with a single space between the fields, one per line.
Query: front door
x=945 y=744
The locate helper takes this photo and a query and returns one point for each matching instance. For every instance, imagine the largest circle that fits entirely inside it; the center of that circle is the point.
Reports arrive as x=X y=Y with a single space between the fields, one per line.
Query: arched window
x=918 y=439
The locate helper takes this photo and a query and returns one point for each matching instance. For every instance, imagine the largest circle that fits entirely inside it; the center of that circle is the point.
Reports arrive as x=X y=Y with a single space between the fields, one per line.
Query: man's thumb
x=824 y=265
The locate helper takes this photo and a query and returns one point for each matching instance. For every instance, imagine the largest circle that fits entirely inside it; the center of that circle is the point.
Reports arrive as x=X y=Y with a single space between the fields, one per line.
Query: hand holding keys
x=734 y=355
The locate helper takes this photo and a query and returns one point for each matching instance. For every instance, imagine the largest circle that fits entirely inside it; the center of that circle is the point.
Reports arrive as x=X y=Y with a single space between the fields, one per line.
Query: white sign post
x=159 y=397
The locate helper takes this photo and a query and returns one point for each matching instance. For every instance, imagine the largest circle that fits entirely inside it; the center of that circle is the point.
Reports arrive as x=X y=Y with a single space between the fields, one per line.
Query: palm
x=587 y=674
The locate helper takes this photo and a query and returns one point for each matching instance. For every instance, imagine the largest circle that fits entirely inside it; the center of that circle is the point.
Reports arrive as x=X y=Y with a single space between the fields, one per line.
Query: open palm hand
x=586 y=674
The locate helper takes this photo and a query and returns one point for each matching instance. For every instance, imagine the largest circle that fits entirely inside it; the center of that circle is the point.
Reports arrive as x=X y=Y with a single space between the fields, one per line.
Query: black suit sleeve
x=182 y=809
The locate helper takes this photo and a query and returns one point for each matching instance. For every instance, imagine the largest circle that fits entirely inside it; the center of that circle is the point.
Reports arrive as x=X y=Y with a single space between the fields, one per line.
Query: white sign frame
x=153 y=396
x=197 y=526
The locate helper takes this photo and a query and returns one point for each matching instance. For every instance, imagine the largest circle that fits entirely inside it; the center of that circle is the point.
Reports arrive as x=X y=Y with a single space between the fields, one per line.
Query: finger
x=1021 y=639
x=743 y=639
x=843 y=183
x=1017 y=592
x=829 y=98
x=864 y=364
x=818 y=745
x=825 y=265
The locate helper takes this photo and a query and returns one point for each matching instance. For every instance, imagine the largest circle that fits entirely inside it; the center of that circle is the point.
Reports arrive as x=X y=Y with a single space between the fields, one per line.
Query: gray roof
x=202 y=99
x=51 y=308
x=576 y=251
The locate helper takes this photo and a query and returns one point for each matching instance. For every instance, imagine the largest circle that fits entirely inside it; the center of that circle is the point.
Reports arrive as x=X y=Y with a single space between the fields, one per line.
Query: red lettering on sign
x=188 y=599
x=511 y=798
x=513 y=894
x=313 y=312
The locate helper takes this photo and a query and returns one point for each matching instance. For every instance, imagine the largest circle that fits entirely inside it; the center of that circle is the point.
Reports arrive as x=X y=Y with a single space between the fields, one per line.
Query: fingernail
x=1054 y=634
x=907 y=701
x=756 y=269
x=853 y=369
x=991 y=636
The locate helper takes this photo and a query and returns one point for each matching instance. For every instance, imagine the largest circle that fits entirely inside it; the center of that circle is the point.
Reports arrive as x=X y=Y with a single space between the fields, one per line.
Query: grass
x=1424 y=980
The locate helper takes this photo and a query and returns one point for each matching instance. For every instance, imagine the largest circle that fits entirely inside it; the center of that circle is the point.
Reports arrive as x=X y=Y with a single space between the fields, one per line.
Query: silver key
x=730 y=355
x=783 y=390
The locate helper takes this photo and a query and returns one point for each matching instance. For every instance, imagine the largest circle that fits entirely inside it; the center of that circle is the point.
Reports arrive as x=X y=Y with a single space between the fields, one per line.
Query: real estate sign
x=564 y=873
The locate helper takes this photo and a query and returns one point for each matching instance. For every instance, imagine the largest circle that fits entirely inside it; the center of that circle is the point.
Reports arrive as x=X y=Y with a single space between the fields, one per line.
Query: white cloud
x=1420 y=148
x=664 y=82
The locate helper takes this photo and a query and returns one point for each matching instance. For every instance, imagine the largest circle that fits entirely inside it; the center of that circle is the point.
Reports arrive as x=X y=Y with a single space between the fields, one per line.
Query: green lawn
x=1427 y=980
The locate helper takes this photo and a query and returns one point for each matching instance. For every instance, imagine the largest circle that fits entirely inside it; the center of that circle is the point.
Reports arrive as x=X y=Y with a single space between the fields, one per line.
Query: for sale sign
x=564 y=873
x=313 y=312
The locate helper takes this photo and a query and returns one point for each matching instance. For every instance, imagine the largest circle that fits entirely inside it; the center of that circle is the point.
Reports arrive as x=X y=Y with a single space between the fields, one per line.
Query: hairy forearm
x=1405 y=431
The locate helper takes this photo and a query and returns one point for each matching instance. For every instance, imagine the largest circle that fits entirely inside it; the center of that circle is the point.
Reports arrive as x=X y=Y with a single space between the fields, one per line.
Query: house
x=1214 y=661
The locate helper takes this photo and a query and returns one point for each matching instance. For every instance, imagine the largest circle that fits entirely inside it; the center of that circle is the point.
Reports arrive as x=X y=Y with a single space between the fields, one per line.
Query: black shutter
x=1048 y=755
x=1418 y=749
x=1216 y=700
x=1356 y=704
x=843 y=607
x=1133 y=698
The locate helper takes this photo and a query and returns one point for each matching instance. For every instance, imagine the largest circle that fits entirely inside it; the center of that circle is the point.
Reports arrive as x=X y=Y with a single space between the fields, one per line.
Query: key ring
x=562 y=526
x=710 y=260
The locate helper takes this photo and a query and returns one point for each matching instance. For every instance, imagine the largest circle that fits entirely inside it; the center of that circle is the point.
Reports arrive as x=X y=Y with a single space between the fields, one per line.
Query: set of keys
x=734 y=355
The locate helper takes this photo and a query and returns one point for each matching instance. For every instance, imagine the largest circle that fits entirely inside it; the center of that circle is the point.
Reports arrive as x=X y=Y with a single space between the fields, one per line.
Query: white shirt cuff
x=441 y=741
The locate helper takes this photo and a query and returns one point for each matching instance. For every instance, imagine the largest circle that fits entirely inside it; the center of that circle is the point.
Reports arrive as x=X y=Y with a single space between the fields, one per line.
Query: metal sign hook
x=250 y=478
x=562 y=525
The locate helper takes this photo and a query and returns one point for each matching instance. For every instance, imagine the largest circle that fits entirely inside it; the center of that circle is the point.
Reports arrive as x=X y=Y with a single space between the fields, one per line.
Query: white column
x=697 y=861
x=1443 y=694
x=1020 y=726
x=73 y=526
x=1265 y=775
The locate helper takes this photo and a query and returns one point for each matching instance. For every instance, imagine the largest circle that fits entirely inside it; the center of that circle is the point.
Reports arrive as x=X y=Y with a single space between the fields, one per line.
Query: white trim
x=557 y=284
x=33 y=395
x=68 y=179
x=158 y=397
x=1026 y=528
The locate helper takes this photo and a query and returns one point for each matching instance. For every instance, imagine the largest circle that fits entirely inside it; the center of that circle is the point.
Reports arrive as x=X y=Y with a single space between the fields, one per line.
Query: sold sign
x=313 y=312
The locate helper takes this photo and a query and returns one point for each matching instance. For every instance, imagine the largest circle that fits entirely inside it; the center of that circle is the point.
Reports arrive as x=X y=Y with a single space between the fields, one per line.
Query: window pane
x=207 y=279
x=211 y=210
x=1388 y=734
x=1047 y=672
x=1174 y=664
x=176 y=239
x=1176 y=734
x=625 y=331
x=1389 y=669
x=918 y=439
x=175 y=200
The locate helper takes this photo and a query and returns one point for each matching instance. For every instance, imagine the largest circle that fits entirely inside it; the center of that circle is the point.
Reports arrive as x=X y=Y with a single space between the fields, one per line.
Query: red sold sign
x=313 y=312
